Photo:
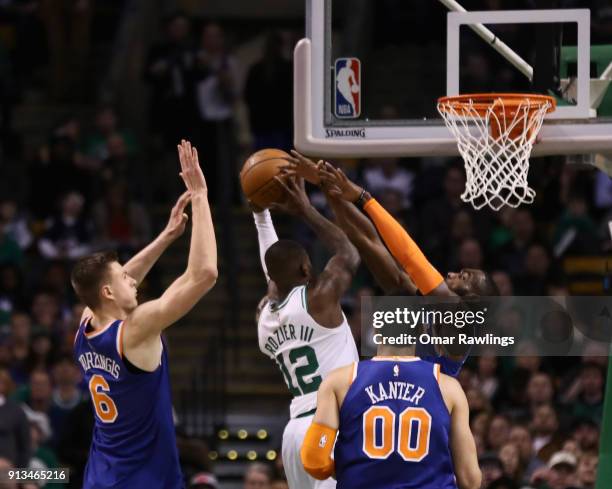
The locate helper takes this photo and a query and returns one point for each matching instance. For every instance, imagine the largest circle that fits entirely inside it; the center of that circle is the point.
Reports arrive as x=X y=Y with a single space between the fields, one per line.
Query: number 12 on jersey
x=297 y=383
x=411 y=448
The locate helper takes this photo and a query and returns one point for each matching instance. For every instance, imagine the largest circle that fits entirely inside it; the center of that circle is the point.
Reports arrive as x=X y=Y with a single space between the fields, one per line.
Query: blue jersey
x=394 y=428
x=134 y=443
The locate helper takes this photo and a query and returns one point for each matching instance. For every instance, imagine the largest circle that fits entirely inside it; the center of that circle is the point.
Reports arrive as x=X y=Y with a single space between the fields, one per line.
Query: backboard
x=369 y=72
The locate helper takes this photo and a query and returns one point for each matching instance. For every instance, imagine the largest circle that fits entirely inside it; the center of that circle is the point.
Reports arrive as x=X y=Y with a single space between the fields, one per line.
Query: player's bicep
x=463 y=447
x=335 y=279
x=149 y=319
x=327 y=405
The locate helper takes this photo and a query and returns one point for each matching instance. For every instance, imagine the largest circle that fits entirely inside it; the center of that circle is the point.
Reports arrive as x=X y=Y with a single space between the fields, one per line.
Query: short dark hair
x=88 y=274
x=283 y=260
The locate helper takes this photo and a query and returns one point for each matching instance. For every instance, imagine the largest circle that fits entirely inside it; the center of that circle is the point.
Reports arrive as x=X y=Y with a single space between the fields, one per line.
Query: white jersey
x=304 y=350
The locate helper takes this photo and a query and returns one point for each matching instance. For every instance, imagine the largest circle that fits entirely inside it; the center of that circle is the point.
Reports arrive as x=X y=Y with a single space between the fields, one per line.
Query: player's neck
x=394 y=351
x=106 y=315
x=284 y=291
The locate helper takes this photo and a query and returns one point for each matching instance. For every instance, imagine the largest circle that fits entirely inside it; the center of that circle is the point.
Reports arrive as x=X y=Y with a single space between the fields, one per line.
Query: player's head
x=99 y=281
x=288 y=264
x=471 y=281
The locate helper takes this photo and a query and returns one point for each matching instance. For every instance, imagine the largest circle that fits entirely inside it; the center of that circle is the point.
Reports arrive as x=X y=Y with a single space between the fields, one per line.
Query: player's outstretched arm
x=362 y=233
x=338 y=274
x=398 y=241
x=150 y=318
x=319 y=441
x=140 y=264
x=462 y=445
x=266 y=234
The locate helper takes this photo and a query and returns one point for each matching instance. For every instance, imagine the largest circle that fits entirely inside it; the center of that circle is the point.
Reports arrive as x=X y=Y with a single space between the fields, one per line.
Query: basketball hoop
x=495 y=133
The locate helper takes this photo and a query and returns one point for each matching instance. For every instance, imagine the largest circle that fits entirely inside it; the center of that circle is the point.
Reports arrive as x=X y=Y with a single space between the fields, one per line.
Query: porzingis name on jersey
x=287 y=332
x=89 y=360
x=395 y=390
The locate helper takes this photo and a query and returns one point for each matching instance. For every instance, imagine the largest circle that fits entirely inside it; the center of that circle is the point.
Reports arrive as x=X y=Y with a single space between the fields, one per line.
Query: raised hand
x=304 y=167
x=191 y=173
x=296 y=201
x=338 y=183
x=178 y=218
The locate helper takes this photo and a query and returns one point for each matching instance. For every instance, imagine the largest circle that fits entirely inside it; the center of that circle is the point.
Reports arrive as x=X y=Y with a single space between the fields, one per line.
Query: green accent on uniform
x=281 y=363
x=284 y=303
x=604 y=467
x=307 y=413
x=310 y=368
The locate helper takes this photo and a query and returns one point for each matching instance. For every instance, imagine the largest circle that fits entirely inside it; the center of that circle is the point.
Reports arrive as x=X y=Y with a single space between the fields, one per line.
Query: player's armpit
x=403 y=248
x=316 y=451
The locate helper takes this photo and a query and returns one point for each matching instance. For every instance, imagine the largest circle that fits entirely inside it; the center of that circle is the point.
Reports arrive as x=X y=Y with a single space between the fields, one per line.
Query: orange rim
x=482 y=102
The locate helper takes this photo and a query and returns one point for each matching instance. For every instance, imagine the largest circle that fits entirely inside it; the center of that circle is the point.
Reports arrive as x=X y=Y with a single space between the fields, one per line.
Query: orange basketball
x=257 y=176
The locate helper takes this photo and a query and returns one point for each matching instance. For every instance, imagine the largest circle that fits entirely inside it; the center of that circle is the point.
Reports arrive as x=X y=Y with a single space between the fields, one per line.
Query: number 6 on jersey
x=103 y=404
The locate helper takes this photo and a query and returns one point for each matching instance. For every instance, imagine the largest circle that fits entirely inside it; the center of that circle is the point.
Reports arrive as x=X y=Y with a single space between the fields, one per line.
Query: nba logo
x=348 y=88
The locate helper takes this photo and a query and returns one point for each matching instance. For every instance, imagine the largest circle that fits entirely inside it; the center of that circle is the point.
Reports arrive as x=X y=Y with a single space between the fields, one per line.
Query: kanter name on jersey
x=395 y=390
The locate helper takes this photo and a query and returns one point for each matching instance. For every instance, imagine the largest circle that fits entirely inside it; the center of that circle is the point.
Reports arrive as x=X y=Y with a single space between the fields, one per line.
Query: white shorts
x=297 y=477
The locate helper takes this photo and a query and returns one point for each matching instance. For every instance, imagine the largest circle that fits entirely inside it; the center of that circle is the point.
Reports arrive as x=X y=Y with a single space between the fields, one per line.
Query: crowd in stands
x=536 y=421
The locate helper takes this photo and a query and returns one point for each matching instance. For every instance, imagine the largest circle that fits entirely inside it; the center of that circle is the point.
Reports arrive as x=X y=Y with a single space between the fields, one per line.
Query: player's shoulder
x=451 y=389
x=340 y=377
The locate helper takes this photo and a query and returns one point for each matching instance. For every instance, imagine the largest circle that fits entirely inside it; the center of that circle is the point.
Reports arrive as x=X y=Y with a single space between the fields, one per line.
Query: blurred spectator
x=544 y=425
x=41 y=353
x=540 y=390
x=19 y=341
x=268 y=94
x=121 y=165
x=462 y=227
x=14 y=224
x=510 y=458
x=59 y=170
x=503 y=282
x=11 y=291
x=67 y=23
x=75 y=441
x=168 y=70
x=511 y=256
x=537 y=272
x=46 y=312
x=587 y=470
x=279 y=484
x=68 y=233
x=14 y=427
x=258 y=476
x=204 y=480
x=587 y=397
x=576 y=231
x=6 y=465
x=499 y=431
x=520 y=436
x=586 y=433
x=385 y=175
x=491 y=468
x=560 y=472
x=488 y=379
x=10 y=252
x=216 y=93
x=66 y=395
x=37 y=396
x=106 y=125
x=120 y=223
x=469 y=255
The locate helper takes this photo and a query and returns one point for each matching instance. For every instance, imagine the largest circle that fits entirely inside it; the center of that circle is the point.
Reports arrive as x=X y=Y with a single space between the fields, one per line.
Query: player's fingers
x=300 y=183
x=183 y=200
x=282 y=183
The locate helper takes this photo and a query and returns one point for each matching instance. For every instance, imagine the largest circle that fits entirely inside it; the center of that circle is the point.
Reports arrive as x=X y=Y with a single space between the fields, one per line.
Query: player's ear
x=106 y=292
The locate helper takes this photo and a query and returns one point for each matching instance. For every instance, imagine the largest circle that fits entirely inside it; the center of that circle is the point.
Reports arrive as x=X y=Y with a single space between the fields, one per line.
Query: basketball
x=257 y=176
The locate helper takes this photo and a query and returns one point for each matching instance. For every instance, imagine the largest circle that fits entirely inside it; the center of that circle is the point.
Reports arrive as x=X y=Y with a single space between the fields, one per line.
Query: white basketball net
x=496 y=162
